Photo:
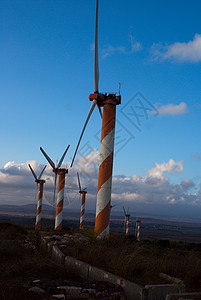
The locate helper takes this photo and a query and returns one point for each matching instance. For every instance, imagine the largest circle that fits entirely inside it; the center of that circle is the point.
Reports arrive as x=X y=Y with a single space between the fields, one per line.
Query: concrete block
x=171 y=279
x=57 y=255
x=97 y=274
x=77 y=266
x=49 y=248
x=186 y=296
x=43 y=245
x=160 y=291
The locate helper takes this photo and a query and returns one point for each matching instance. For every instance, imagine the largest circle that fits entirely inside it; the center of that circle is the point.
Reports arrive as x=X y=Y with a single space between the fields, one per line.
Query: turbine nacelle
x=39 y=181
x=81 y=191
x=105 y=98
x=126 y=214
x=56 y=168
x=60 y=171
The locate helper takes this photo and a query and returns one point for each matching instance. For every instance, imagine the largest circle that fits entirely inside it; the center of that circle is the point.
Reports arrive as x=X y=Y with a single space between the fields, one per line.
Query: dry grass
x=138 y=261
x=142 y=261
x=20 y=260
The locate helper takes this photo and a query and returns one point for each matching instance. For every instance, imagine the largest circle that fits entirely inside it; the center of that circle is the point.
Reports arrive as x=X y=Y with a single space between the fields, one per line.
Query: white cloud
x=134 y=47
x=170 y=167
x=180 y=52
x=173 y=109
x=110 y=50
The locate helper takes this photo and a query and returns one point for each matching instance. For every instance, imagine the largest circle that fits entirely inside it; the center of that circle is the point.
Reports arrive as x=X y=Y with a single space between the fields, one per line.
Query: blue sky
x=46 y=75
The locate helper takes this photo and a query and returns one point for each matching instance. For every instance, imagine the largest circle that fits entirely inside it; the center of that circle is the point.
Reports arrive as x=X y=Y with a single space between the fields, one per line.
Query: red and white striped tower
x=138 y=230
x=83 y=193
x=39 y=182
x=61 y=185
x=39 y=204
x=60 y=198
x=105 y=166
x=127 y=223
x=108 y=102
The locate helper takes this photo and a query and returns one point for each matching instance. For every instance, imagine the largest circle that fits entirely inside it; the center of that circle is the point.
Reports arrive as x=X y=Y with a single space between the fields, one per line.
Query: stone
x=37 y=290
x=59 y=296
x=36 y=280
x=57 y=237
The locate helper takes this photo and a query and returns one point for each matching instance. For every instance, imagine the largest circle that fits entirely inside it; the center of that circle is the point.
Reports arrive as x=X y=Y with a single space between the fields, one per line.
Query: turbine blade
x=93 y=104
x=96 y=68
x=42 y=172
x=80 y=200
x=36 y=190
x=79 y=185
x=32 y=171
x=124 y=210
x=55 y=186
x=62 y=158
x=115 y=205
x=100 y=111
x=48 y=158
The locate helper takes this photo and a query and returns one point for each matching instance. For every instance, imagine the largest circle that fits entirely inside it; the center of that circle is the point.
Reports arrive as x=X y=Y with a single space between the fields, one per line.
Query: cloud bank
x=151 y=191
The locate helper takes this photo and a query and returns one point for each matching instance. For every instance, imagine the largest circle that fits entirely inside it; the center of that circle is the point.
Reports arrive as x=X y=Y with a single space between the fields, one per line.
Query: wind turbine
x=127 y=216
x=82 y=192
x=109 y=103
x=138 y=229
x=39 y=182
x=60 y=194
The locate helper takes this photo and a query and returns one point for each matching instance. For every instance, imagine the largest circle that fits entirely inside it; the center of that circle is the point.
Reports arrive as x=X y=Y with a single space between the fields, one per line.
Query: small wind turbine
x=60 y=194
x=39 y=182
x=127 y=217
x=109 y=103
x=82 y=192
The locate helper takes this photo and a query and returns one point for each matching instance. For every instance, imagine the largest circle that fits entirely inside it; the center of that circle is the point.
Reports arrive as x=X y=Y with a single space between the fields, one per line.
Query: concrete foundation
x=132 y=290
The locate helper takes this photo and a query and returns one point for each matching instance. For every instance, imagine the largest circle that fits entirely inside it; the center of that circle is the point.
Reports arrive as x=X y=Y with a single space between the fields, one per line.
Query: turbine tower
x=109 y=103
x=39 y=182
x=60 y=194
x=138 y=229
x=82 y=192
x=127 y=216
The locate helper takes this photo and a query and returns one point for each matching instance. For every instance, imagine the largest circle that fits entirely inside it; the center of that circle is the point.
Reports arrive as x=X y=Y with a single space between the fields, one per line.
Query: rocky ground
x=27 y=274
